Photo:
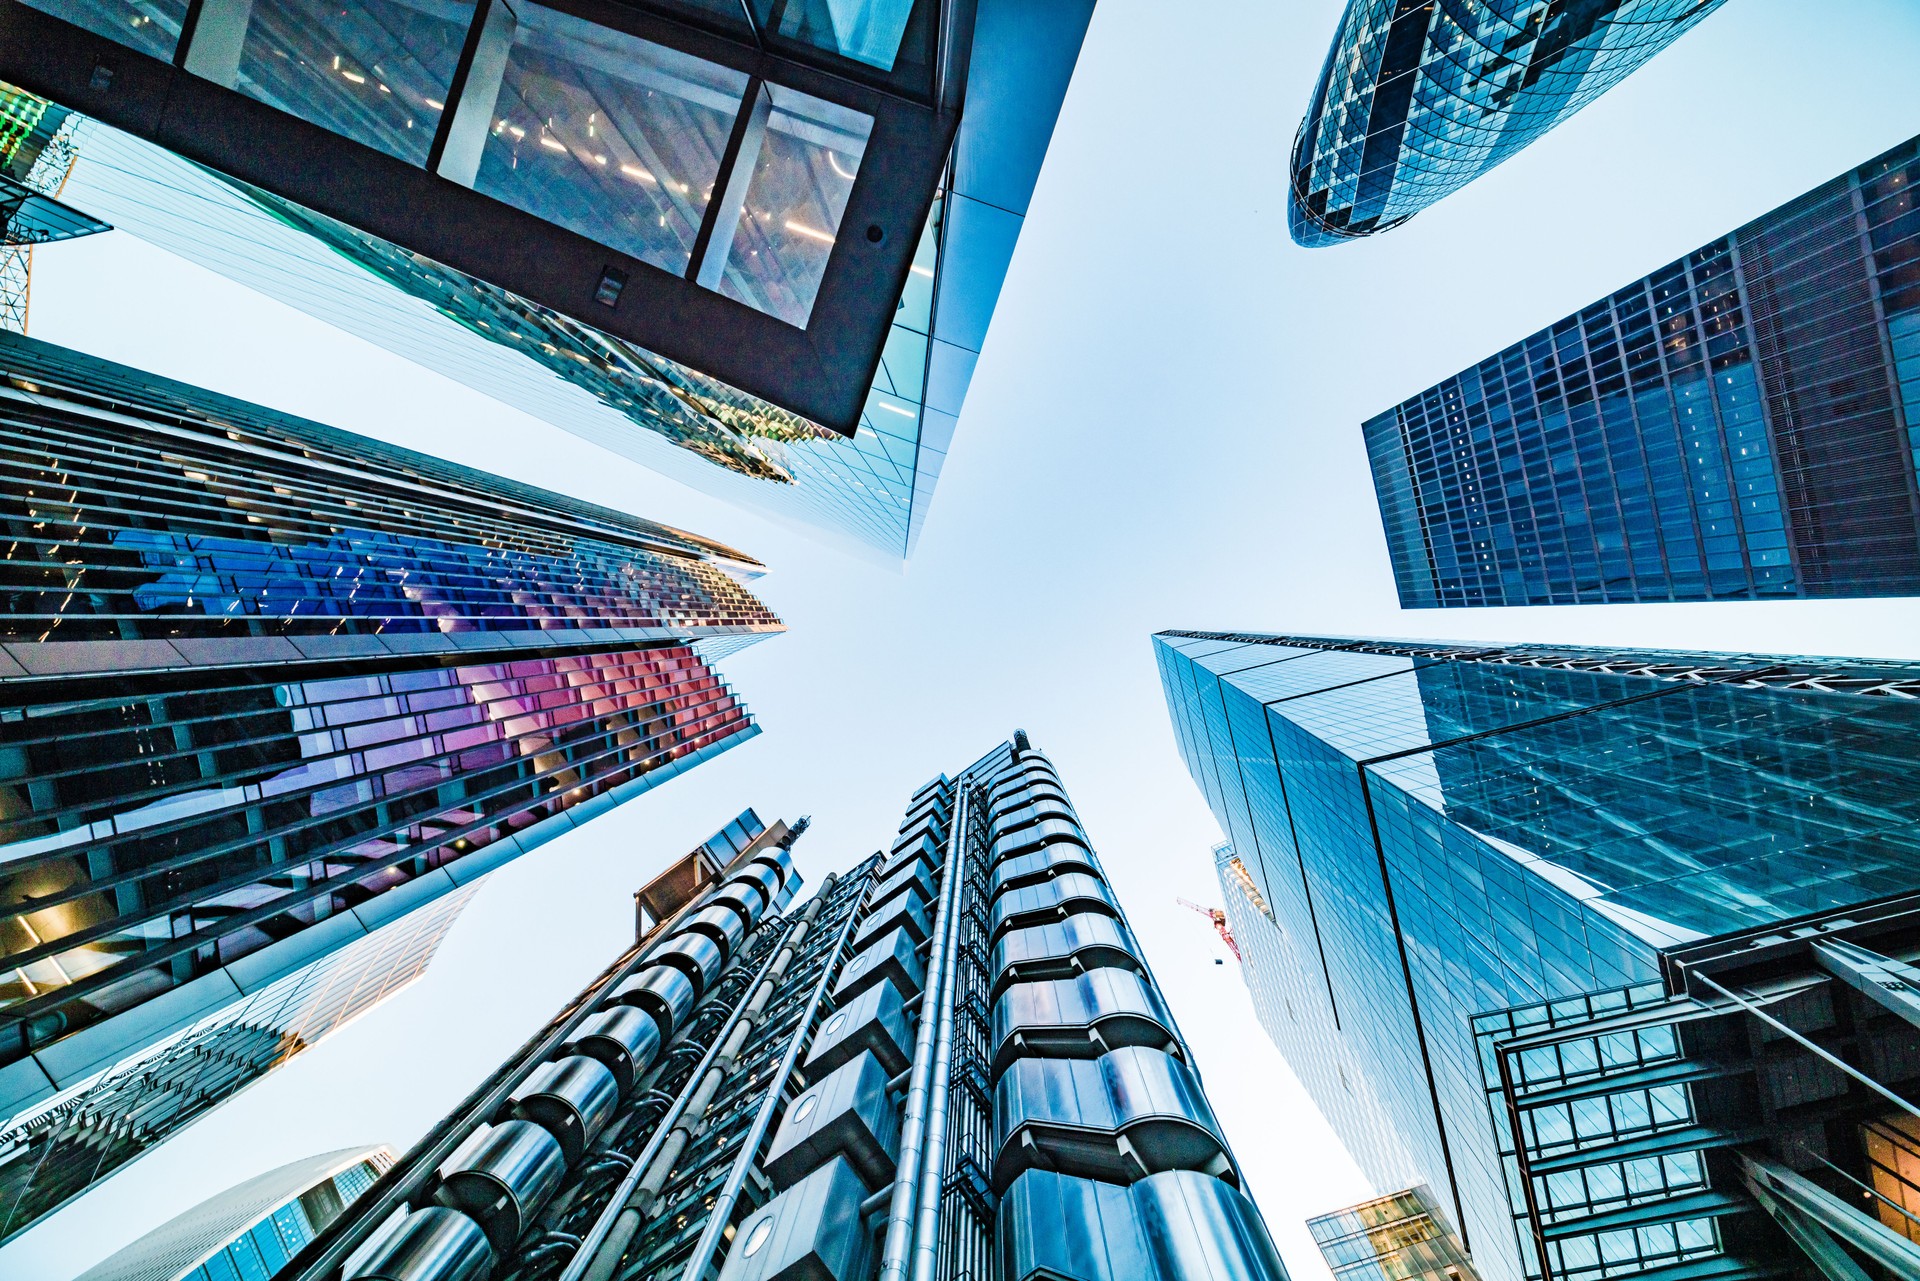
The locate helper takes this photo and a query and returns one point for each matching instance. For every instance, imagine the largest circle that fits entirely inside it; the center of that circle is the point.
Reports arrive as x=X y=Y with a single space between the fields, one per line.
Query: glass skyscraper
x=756 y=246
x=248 y=1232
x=1418 y=98
x=265 y=685
x=950 y=1064
x=1401 y=1237
x=1740 y=425
x=58 y=1149
x=1553 y=908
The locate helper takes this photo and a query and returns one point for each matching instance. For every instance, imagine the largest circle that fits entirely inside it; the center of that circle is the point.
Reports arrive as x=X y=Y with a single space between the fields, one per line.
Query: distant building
x=1402 y=1237
x=1620 y=945
x=57 y=1151
x=265 y=685
x=950 y=1063
x=754 y=246
x=248 y=1232
x=1740 y=425
x=1418 y=99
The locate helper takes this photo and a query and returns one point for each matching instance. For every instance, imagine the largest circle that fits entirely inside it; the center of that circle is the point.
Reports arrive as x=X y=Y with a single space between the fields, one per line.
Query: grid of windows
x=1418 y=98
x=1527 y=826
x=1726 y=428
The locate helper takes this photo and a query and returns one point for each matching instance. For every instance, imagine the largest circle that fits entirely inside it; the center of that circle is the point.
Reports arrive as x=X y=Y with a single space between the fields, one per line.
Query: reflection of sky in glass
x=151 y=26
x=866 y=31
x=609 y=135
x=802 y=176
x=376 y=71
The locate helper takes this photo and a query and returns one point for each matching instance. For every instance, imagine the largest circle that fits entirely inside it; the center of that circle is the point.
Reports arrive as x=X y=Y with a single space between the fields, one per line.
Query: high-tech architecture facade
x=1742 y=424
x=248 y=1232
x=266 y=685
x=950 y=1064
x=756 y=246
x=1418 y=99
x=1402 y=1237
x=1615 y=939
x=36 y=155
x=57 y=1150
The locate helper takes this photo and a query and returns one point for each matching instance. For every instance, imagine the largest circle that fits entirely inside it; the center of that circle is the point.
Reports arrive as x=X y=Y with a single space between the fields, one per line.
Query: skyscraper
x=1401 y=1237
x=1740 y=425
x=951 y=1063
x=1417 y=99
x=1614 y=938
x=756 y=245
x=268 y=685
x=252 y=1229
x=55 y=1151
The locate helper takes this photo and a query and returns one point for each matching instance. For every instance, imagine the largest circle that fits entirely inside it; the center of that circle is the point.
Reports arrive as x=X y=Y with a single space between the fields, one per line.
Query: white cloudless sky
x=1163 y=432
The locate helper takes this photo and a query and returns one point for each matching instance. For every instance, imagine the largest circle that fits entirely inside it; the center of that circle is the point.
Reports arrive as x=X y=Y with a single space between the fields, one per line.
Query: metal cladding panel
x=1023 y=775
x=913 y=878
x=1039 y=807
x=898 y=914
x=501 y=1176
x=662 y=991
x=1063 y=949
x=1043 y=864
x=745 y=896
x=810 y=1232
x=1031 y=793
x=694 y=954
x=874 y=1022
x=1077 y=1111
x=434 y=1244
x=1053 y=900
x=847 y=1113
x=764 y=877
x=931 y=824
x=571 y=1098
x=626 y=1039
x=924 y=848
x=722 y=924
x=892 y=958
x=1055 y=827
x=1177 y=1226
x=1081 y=1017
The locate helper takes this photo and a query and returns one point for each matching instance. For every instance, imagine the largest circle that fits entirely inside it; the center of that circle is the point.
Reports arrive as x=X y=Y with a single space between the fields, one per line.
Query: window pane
x=866 y=31
x=374 y=70
x=804 y=171
x=151 y=26
x=609 y=135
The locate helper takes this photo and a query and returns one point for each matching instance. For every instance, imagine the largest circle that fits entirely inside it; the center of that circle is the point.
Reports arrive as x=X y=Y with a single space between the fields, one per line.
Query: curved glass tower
x=1420 y=97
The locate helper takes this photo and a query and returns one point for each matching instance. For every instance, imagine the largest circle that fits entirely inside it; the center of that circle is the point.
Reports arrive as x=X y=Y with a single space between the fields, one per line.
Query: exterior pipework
x=324 y=1258
x=926 y=1226
x=720 y=1215
x=902 y=1209
x=584 y=1257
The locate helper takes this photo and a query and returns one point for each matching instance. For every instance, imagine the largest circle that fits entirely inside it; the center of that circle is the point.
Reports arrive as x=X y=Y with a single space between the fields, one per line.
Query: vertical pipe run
x=901 y=1210
x=926 y=1225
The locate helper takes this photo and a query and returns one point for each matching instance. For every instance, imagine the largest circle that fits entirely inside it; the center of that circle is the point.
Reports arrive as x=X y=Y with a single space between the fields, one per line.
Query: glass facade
x=1403 y=1237
x=1739 y=425
x=1454 y=830
x=251 y=1231
x=261 y=675
x=61 y=1148
x=1418 y=99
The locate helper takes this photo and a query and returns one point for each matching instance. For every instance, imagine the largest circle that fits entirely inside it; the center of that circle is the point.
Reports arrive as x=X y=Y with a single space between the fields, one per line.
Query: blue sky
x=1163 y=431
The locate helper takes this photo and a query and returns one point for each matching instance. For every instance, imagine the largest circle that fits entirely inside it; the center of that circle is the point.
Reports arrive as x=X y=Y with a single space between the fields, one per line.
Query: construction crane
x=1220 y=927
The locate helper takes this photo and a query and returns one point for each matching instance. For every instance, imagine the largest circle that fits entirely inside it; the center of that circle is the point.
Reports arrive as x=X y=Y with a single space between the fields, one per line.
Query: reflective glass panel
x=612 y=136
x=374 y=70
x=804 y=171
x=866 y=31
x=151 y=26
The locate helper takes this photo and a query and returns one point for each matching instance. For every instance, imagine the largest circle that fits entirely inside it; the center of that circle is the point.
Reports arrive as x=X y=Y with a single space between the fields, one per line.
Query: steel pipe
x=926 y=1224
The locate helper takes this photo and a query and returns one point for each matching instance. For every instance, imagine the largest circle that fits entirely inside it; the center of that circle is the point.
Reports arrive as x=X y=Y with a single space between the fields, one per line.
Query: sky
x=1162 y=432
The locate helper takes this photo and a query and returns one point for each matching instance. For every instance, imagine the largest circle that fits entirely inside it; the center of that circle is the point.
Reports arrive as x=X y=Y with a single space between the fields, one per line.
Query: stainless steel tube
x=926 y=1224
x=902 y=1211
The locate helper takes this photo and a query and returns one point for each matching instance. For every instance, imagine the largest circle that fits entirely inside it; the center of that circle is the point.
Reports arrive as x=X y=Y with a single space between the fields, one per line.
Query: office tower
x=36 y=155
x=248 y=1232
x=267 y=685
x=1418 y=99
x=1616 y=938
x=55 y=1151
x=1740 y=425
x=950 y=1063
x=754 y=245
x=1402 y=1237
